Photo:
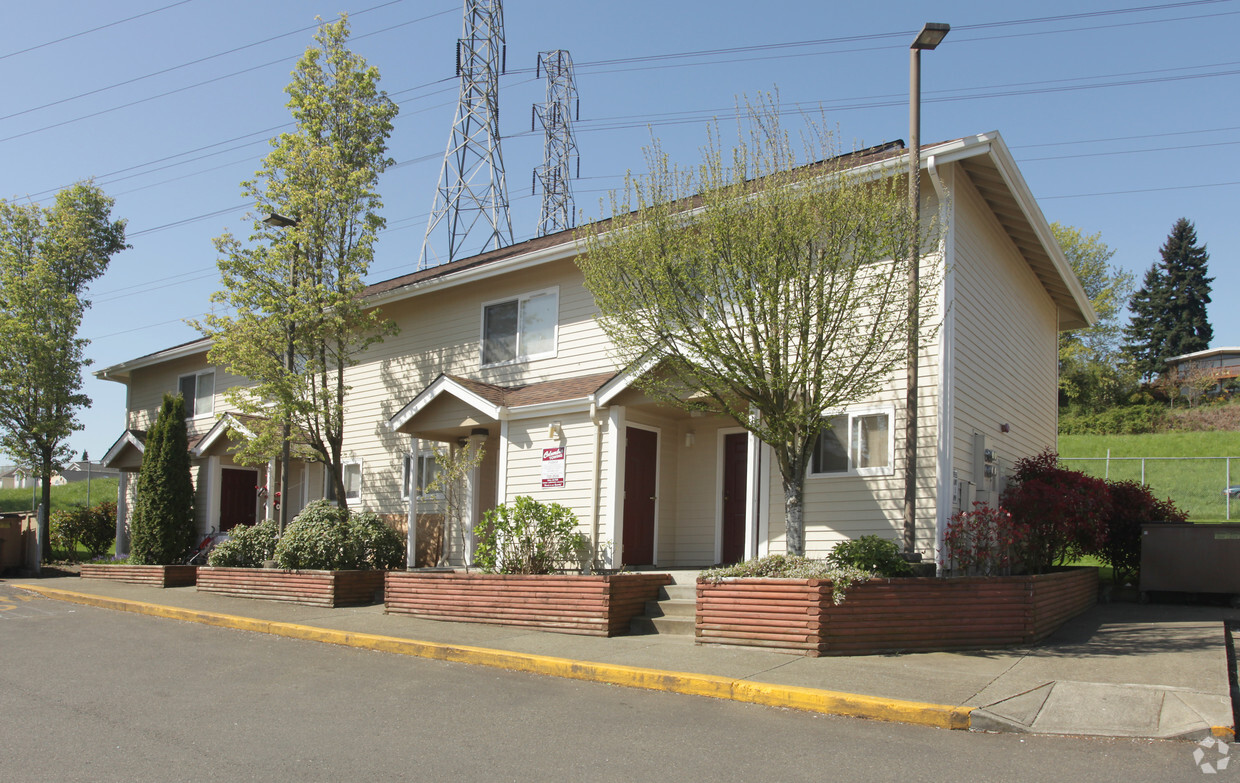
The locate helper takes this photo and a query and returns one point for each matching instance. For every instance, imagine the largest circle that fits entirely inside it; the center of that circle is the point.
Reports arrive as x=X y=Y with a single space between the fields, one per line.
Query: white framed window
x=521 y=328
x=352 y=475
x=427 y=471
x=858 y=443
x=198 y=389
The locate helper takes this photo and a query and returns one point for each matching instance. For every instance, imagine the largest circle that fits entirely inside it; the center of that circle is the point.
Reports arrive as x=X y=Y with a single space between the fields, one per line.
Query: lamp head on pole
x=931 y=35
x=276 y=220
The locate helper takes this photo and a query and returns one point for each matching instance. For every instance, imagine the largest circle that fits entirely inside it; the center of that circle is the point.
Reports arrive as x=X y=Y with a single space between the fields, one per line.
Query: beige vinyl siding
x=1005 y=367
x=526 y=440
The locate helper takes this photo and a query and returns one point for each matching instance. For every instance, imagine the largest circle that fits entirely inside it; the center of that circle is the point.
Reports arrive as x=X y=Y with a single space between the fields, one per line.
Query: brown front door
x=640 y=458
x=735 y=456
x=238 y=498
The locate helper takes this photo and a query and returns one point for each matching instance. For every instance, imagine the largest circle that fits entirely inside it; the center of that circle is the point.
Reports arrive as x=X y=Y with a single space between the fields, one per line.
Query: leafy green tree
x=758 y=287
x=162 y=526
x=300 y=285
x=1169 y=310
x=1090 y=372
x=48 y=257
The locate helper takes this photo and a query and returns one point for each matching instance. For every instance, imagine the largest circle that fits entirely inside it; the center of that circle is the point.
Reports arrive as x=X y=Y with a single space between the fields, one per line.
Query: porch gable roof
x=497 y=402
x=229 y=421
x=129 y=439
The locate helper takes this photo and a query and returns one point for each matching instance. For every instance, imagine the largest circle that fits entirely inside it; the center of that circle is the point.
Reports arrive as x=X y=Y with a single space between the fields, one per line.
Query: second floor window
x=857 y=444
x=198 y=390
x=520 y=329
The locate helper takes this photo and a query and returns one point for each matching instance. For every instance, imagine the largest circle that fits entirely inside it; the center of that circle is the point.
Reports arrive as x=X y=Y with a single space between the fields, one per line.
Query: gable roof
x=496 y=402
x=985 y=158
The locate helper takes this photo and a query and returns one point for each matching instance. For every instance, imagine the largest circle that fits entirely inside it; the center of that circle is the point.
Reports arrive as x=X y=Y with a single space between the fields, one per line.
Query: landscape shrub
x=1120 y=420
x=378 y=547
x=1132 y=505
x=529 y=537
x=162 y=527
x=247 y=546
x=1060 y=514
x=94 y=528
x=791 y=567
x=872 y=553
x=326 y=537
x=983 y=542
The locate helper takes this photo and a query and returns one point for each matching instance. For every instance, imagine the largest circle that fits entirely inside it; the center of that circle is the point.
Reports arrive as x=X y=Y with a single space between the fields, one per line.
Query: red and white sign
x=553 y=467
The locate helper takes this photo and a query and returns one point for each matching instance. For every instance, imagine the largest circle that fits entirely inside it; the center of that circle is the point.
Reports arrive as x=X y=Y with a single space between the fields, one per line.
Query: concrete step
x=678 y=592
x=671 y=626
x=671 y=607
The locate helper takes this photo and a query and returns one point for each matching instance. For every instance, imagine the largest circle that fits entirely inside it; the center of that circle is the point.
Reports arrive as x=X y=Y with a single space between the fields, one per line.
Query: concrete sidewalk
x=1119 y=670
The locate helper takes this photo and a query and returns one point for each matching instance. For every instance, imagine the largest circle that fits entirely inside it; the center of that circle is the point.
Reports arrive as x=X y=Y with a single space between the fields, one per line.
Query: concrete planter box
x=154 y=575
x=587 y=605
x=892 y=615
x=312 y=588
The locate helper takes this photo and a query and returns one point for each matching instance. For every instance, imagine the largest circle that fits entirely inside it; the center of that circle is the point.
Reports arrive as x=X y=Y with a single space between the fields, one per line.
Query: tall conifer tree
x=162 y=527
x=1169 y=310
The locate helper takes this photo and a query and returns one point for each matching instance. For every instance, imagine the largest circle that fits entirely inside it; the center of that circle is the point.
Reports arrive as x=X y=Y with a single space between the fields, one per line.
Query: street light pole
x=931 y=35
x=280 y=221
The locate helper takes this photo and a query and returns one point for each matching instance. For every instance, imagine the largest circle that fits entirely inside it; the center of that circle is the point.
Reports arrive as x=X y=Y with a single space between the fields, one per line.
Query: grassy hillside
x=1196 y=485
x=62 y=496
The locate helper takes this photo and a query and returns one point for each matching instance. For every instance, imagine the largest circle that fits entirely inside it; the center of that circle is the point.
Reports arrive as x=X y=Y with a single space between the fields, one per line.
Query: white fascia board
x=445 y=385
x=564 y=250
x=1019 y=189
x=1203 y=354
x=219 y=430
x=625 y=379
x=556 y=408
x=127 y=439
x=120 y=372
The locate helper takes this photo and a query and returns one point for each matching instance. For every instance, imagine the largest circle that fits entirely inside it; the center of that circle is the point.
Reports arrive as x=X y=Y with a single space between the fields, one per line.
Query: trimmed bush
x=1132 y=505
x=529 y=537
x=326 y=537
x=245 y=547
x=93 y=528
x=982 y=542
x=1060 y=514
x=877 y=555
x=162 y=528
x=791 y=567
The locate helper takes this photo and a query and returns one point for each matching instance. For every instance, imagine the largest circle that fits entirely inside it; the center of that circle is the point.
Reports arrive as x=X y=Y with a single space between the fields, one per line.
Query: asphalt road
x=93 y=695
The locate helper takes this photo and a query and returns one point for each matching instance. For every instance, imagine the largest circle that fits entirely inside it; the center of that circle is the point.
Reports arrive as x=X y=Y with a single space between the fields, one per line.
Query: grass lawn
x=1195 y=485
x=63 y=496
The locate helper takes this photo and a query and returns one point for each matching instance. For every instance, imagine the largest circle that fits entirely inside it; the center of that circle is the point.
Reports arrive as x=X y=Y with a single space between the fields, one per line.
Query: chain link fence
x=1202 y=487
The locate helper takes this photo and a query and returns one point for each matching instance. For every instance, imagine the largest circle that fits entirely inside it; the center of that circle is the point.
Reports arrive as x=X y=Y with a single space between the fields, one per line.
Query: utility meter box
x=1190 y=558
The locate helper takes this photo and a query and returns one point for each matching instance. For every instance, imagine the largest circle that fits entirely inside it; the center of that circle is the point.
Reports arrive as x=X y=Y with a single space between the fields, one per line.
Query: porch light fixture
x=555 y=431
x=931 y=35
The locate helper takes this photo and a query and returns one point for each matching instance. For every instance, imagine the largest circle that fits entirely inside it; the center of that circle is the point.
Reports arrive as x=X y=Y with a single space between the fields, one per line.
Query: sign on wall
x=553 y=467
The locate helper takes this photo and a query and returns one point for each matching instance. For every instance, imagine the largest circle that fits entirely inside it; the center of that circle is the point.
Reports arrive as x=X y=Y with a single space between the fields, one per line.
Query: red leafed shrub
x=1132 y=505
x=982 y=542
x=1062 y=514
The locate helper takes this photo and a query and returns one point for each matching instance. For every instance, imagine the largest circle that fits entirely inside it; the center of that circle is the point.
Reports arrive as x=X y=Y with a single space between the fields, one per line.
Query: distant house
x=13 y=477
x=503 y=350
x=1222 y=364
x=81 y=471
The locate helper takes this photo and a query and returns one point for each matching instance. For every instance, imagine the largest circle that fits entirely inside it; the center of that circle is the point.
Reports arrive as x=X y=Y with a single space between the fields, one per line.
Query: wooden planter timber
x=892 y=615
x=312 y=588
x=153 y=575
x=586 y=605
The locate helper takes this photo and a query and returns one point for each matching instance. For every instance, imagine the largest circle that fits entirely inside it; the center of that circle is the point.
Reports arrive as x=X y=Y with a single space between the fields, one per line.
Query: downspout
x=946 y=372
x=595 y=491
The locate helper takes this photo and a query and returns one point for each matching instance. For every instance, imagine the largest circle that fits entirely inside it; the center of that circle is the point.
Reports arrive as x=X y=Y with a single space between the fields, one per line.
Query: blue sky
x=1122 y=116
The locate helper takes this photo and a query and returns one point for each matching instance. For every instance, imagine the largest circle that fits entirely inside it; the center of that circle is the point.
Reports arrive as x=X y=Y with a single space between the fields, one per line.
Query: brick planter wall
x=156 y=576
x=892 y=615
x=588 y=605
x=312 y=588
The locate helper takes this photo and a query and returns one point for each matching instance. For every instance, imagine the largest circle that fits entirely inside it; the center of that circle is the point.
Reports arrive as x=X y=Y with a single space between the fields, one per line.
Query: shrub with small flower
x=983 y=542
x=791 y=567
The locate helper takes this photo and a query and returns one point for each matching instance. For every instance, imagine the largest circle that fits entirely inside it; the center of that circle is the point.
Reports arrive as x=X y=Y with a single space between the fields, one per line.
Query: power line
x=1142 y=190
x=92 y=30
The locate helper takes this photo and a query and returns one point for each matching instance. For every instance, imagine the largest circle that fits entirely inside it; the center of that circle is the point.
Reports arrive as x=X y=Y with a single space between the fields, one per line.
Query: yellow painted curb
x=1224 y=733
x=810 y=699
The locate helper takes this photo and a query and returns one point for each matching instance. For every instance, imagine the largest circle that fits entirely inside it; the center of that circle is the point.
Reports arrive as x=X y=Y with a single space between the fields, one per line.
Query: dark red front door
x=735 y=456
x=238 y=498
x=640 y=458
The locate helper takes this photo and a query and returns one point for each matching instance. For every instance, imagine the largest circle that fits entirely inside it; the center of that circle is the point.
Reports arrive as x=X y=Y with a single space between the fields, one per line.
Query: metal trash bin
x=11 y=554
x=1190 y=558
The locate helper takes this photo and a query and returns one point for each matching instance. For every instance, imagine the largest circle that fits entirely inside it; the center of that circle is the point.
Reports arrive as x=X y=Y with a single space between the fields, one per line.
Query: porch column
x=477 y=438
x=411 y=533
x=270 y=506
x=753 y=494
x=122 y=515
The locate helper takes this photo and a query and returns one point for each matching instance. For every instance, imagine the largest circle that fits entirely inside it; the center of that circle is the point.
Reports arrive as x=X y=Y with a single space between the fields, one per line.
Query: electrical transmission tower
x=557 y=115
x=471 y=198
